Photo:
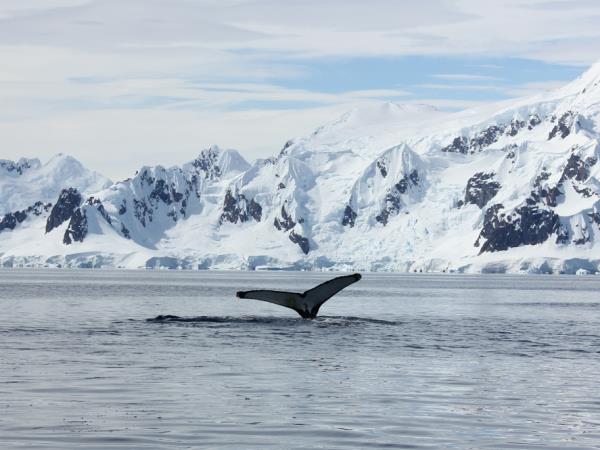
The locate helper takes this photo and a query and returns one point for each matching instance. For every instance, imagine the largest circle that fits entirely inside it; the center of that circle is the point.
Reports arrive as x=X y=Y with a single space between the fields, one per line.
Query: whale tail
x=306 y=304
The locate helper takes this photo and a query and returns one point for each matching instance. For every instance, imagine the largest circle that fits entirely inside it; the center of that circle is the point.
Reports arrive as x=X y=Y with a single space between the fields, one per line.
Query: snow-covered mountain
x=513 y=187
x=26 y=181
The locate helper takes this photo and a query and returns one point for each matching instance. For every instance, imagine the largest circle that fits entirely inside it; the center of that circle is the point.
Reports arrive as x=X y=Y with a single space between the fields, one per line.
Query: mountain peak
x=586 y=87
x=377 y=115
x=16 y=168
x=216 y=162
x=29 y=181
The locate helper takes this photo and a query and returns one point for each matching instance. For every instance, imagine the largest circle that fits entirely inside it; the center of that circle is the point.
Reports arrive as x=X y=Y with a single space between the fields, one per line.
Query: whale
x=307 y=303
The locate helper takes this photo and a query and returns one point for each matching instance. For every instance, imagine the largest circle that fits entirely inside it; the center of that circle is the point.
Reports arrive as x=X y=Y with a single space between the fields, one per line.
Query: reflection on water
x=104 y=359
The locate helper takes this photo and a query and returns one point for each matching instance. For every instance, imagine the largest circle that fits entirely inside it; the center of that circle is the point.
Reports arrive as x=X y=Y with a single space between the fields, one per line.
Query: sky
x=124 y=83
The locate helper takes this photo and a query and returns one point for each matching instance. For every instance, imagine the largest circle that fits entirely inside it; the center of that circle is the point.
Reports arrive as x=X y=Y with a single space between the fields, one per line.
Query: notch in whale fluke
x=306 y=304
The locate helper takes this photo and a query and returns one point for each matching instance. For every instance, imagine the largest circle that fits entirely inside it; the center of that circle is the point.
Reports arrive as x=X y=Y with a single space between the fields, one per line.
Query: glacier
x=508 y=187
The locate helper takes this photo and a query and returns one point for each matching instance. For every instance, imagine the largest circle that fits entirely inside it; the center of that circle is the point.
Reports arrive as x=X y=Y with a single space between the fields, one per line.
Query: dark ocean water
x=395 y=361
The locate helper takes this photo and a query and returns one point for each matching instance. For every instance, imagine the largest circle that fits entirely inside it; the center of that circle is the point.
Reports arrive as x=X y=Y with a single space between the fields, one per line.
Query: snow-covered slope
x=26 y=181
x=513 y=186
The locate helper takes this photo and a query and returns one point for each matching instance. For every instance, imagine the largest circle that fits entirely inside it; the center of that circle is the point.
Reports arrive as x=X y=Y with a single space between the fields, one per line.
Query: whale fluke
x=306 y=304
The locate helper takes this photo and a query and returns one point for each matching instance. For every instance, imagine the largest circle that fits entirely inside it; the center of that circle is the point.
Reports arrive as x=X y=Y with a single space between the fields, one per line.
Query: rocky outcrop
x=125 y=232
x=11 y=220
x=142 y=211
x=382 y=167
x=349 y=218
x=563 y=126
x=100 y=208
x=534 y=121
x=165 y=193
x=526 y=225
x=237 y=208
x=542 y=192
x=486 y=137
x=68 y=201
x=577 y=169
x=481 y=188
x=490 y=135
x=459 y=145
x=18 y=167
x=285 y=222
x=77 y=228
x=160 y=187
x=301 y=241
x=207 y=163
x=286 y=146
x=392 y=203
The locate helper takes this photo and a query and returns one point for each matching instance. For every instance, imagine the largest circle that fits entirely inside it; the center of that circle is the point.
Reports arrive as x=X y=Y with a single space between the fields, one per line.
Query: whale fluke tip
x=357 y=276
x=240 y=294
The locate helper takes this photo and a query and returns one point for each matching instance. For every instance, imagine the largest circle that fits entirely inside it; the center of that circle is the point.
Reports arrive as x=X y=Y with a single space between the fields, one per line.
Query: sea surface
x=395 y=361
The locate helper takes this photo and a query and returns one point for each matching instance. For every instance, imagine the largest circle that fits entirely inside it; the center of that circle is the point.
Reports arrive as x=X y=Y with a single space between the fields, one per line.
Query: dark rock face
x=534 y=121
x=458 y=145
x=123 y=207
x=147 y=177
x=543 y=194
x=349 y=218
x=562 y=236
x=207 y=162
x=526 y=225
x=515 y=126
x=393 y=199
x=584 y=192
x=284 y=149
x=68 y=201
x=584 y=235
x=11 y=220
x=511 y=152
x=543 y=176
x=490 y=135
x=236 y=208
x=125 y=232
x=577 y=169
x=77 y=229
x=564 y=125
x=163 y=188
x=301 y=241
x=15 y=167
x=486 y=137
x=481 y=188
x=141 y=211
x=382 y=167
x=162 y=192
x=165 y=193
x=286 y=222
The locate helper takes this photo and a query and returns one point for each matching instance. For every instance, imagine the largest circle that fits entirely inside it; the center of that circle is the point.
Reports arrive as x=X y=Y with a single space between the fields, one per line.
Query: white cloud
x=464 y=77
x=460 y=87
x=150 y=80
x=310 y=27
x=117 y=142
x=530 y=89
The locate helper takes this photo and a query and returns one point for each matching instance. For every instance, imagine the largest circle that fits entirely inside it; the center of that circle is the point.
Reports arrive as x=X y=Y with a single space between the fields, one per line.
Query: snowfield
x=512 y=187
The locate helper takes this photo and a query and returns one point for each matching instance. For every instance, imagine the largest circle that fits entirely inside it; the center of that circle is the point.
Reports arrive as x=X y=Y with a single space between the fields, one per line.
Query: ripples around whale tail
x=289 y=321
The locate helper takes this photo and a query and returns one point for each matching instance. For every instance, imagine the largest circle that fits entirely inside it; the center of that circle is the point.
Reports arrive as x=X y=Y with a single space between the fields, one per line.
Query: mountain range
x=509 y=187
